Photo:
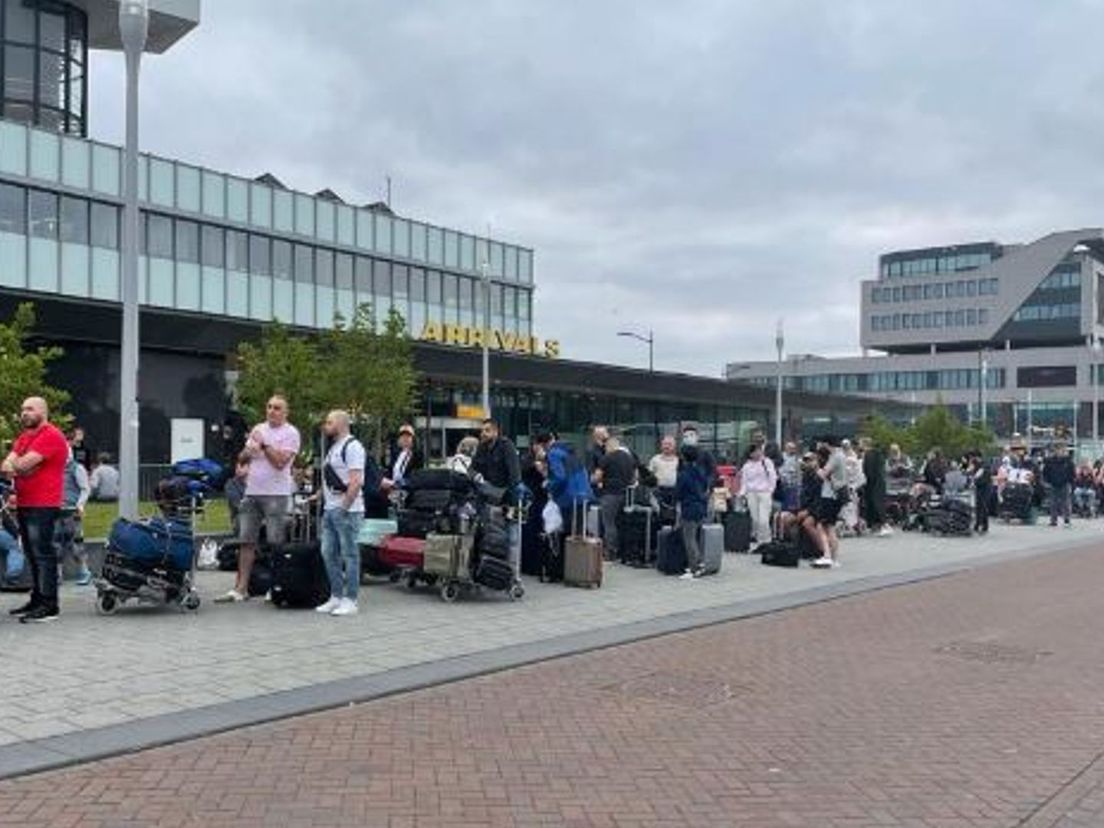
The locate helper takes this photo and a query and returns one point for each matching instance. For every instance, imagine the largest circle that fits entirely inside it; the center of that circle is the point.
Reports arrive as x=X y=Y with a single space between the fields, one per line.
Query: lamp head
x=134 y=24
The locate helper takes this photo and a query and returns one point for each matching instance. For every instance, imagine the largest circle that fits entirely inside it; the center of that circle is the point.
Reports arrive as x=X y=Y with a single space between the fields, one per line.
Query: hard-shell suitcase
x=737 y=530
x=635 y=536
x=712 y=547
x=440 y=555
x=583 y=554
x=670 y=551
x=780 y=553
x=403 y=553
x=373 y=531
x=299 y=577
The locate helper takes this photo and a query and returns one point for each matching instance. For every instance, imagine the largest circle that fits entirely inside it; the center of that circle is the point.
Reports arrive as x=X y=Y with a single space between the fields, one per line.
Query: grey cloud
x=699 y=168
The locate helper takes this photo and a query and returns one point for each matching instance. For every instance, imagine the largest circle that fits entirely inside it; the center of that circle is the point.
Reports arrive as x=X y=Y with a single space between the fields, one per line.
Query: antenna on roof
x=388 y=201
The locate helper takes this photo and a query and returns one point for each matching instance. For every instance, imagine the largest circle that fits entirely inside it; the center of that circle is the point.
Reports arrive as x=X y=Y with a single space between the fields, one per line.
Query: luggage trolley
x=153 y=562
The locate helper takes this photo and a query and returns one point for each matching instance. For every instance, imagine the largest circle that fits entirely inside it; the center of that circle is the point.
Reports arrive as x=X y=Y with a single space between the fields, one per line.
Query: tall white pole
x=485 y=269
x=984 y=382
x=1094 y=354
x=780 y=344
x=133 y=30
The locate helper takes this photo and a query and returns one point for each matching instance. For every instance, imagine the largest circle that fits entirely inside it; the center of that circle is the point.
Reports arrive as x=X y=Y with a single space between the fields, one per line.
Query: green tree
x=939 y=428
x=882 y=433
x=281 y=363
x=23 y=373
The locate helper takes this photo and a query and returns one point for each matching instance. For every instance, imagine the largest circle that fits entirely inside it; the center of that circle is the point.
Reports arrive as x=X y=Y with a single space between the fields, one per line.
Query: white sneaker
x=686 y=576
x=823 y=562
x=345 y=607
x=885 y=532
x=231 y=597
x=329 y=606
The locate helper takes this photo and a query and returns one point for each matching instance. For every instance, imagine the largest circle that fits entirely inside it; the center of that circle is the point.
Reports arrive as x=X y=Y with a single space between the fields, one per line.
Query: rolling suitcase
x=737 y=530
x=670 y=551
x=583 y=553
x=494 y=573
x=440 y=555
x=712 y=547
x=403 y=553
x=635 y=534
x=299 y=579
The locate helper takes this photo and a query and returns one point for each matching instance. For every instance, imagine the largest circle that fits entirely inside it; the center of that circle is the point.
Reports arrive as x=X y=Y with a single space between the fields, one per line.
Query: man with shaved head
x=37 y=464
x=343 y=480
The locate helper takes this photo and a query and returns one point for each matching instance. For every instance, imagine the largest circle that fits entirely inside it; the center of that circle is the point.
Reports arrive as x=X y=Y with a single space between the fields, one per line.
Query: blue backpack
x=210 y=473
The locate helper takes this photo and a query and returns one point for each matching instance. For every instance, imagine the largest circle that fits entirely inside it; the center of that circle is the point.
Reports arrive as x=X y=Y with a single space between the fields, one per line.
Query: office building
x=1020 y=319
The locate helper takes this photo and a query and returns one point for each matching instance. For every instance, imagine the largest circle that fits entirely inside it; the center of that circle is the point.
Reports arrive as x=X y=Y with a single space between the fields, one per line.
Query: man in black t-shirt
x=615 y=473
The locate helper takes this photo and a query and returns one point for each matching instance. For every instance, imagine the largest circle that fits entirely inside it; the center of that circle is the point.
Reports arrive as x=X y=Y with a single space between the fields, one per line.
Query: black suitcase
x=670 y=551
x=260 y=576
x=636 y=537
x=494 y=573
x=737 y=531
x=552 y=558
x=494 y=540
x=415 y=524
x=533 y=545
x=299 y=579
x=780 y=553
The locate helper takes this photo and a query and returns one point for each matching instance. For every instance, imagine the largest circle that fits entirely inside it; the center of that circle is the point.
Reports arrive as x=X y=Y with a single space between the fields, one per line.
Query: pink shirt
x=758 y=476
x=265 y=479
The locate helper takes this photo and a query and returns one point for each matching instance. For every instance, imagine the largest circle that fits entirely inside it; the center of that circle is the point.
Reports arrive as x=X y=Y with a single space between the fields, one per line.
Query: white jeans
x=759 y=505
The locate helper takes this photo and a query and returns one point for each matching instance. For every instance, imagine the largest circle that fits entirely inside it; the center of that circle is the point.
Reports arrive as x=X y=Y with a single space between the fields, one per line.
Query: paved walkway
x=89 y=686
x=970 y=701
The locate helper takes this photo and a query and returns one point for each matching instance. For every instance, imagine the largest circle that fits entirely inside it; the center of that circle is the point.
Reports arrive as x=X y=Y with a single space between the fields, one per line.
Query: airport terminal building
x=221 y=255
x=1024 y=320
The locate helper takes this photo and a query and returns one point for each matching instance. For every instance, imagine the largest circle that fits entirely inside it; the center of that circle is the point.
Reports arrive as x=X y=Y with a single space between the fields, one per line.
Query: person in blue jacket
x=568 y=484
x=691 y=492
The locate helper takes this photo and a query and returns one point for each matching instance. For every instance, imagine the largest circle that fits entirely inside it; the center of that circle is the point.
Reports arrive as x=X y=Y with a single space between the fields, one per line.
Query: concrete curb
x=60 y=751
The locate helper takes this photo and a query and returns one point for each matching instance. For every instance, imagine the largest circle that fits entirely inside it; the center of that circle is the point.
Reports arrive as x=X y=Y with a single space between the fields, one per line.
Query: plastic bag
x=208 y=555
x=553 y=518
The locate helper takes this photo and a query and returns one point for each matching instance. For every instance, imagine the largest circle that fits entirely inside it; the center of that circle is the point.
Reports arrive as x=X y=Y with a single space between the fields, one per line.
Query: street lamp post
x=485 y=270
x=1093 y=366
x=649 y=340
x=779 y=344
x=984 y=378
x=133 y=30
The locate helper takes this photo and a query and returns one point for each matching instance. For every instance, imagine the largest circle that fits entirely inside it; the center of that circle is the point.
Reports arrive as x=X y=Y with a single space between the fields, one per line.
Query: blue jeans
x=340 y=551
x=13 y=555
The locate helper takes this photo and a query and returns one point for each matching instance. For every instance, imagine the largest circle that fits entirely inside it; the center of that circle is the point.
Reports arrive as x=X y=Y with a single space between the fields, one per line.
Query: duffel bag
x=415 y=524
x=429 y=500
x=440 y=479
x=210 y=472
x=154 y=540
x=780 y=553
x=494 y=541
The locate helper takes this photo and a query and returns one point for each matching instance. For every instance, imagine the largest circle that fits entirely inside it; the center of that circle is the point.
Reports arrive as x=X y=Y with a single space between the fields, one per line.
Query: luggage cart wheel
x=449 y=593
x=517 y=592
x=192 y=602
x=106 y=603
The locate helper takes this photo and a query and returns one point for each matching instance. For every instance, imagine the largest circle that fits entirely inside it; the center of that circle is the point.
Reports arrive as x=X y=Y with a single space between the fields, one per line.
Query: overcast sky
x=699 y=168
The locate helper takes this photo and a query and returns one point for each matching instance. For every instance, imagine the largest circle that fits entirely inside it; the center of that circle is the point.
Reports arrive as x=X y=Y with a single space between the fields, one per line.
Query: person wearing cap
x=405 y=459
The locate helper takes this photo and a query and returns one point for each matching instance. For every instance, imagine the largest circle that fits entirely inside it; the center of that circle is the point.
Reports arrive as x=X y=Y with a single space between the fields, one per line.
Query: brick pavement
x=140 y=665
x=972 y=700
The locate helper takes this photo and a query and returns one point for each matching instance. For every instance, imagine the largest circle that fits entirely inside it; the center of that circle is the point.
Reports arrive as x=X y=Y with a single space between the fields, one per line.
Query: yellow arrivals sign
x=464 y=336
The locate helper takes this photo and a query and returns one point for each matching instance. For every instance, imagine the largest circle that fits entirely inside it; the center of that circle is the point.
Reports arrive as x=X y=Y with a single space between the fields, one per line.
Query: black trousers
x=981 y=509
x=36 y=528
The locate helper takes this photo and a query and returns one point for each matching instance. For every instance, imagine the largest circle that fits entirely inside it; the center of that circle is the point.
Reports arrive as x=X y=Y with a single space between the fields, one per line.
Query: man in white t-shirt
x=343 y=514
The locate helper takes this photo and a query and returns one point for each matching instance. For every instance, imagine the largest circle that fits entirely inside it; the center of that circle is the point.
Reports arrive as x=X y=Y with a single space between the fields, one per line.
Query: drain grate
x=990 y=652
x=680 y=687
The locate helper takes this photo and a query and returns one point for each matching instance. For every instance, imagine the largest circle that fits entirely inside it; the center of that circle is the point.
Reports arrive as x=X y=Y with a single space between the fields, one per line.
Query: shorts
x=271 y=511
x=828 y=511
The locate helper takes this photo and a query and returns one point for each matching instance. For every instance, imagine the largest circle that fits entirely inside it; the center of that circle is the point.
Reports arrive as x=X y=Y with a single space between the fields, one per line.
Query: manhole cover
x=990 y=652
x=686 y=688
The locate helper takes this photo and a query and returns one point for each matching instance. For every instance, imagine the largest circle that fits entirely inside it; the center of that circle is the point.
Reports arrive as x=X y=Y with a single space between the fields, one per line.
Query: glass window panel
x=45 y=155
x=465 y=293
x=260 y=298
x=13 y=148
x=482 y=254
x=260 y=255
x=525 y=266
x=467 y=253
x=363 y=278
x=74 y=163
x=401 y=240
x=496 y=260
x=344 y=271
x=304 y=215
x=159 y=237
x=13 y=209
x=417 y=284
x=400 y=283
x=237 y=199
x=19 y=22
x=214 y=194
x=187 y=188
x=44 y=214
x=418 y=242
x=381 y=280
x=525 y=300
x=304 y=263
x=214 y=246
x=260 y=209
x=325 y=218
x=346 y=225
x=237 y=294
x=51 y=30
x=74 y=220
x=283 y=209
x=213 y=290
x=364 y=229
x=450 y=289
x=433 y=287
x=452 y=251
x=324 y=268
x=105 y=169
x=237 y=251
x=51 y=87
x=19 y=72
x=510 y=264
x=436 y=244
x=383 y=233
x=281 y=259
x=187 y=241
x=161 y=182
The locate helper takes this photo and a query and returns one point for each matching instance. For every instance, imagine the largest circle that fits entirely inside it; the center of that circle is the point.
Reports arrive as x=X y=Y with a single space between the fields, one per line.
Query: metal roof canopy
x=169 y=21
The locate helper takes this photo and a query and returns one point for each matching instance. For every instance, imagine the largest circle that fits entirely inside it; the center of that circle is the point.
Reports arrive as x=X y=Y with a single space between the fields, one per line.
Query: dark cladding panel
x=1046 y=376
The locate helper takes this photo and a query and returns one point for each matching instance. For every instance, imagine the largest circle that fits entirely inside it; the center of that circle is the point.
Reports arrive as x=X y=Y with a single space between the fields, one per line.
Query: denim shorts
x=271 y=511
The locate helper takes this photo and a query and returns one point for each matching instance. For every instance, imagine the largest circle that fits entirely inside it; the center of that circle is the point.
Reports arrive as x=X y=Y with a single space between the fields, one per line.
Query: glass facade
x=927 y=262
x=938 y=290
x=961 y=318
x=44 y=56
x=220 y=245
x=891 y=381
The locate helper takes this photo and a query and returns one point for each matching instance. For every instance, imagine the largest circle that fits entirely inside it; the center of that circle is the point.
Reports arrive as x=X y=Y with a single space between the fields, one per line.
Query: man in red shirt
x=37 y=464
